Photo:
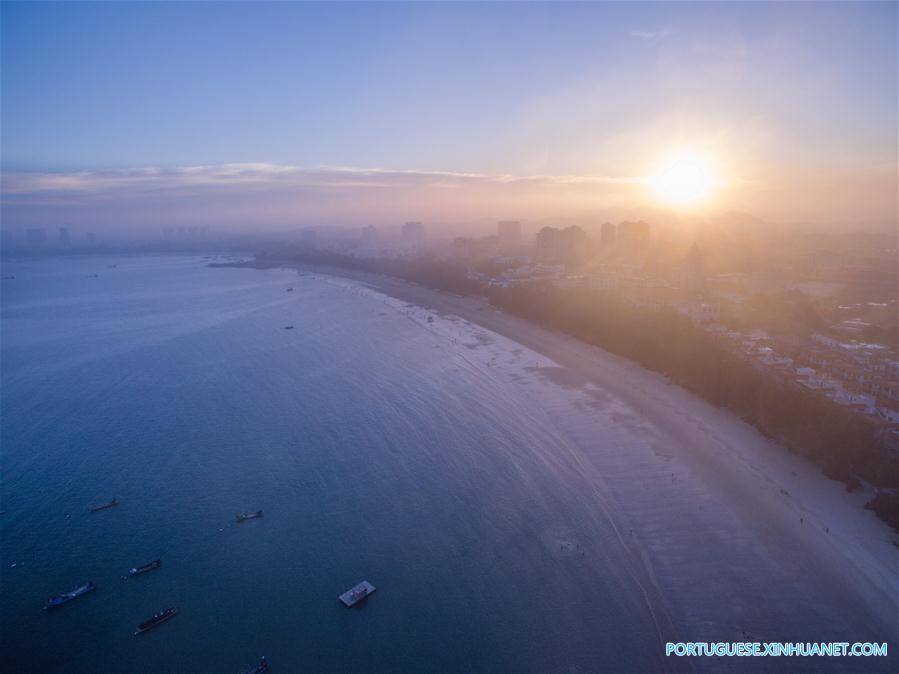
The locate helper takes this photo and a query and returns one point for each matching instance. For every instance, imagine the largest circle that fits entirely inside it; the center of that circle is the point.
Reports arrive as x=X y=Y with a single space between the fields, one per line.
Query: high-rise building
x=369 y=235
x=608 y=235
x=560 y=245
x=413 y=232
x=509 y=232
x=64 y=240
x=546 y=244
x=694 y=276
x=7 y=241
x=91 y=239
x=634 y=234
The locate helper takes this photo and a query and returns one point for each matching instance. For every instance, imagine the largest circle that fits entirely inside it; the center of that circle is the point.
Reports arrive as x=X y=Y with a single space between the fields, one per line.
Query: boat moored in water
x=156 y=620
x=149 y=566
x=66 y=597
x=103 y=506
x=249 y=516
x=356 y=594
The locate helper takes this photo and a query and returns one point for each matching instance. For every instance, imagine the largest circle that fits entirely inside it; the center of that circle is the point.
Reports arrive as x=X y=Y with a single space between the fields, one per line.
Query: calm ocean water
x=375 y=453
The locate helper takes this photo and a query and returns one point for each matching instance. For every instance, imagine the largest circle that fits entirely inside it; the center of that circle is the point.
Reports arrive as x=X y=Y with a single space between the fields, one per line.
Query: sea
x=375 y=436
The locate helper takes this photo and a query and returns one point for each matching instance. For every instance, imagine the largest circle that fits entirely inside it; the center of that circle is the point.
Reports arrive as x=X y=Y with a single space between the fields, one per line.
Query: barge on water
x=156 y=620
x=103 y=506
x=149 y=566
x=249 y=516
x=66 y=597
x=356 y=594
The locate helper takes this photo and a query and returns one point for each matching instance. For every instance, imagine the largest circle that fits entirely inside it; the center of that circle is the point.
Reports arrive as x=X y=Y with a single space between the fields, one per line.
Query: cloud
x=651 y=34
x=262 y=176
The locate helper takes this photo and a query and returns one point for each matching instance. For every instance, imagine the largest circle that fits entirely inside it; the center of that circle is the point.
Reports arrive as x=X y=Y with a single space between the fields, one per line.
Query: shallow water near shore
x=382 y=441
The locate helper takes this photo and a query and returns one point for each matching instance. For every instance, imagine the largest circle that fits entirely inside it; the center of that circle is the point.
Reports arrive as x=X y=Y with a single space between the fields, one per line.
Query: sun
x=686 y=181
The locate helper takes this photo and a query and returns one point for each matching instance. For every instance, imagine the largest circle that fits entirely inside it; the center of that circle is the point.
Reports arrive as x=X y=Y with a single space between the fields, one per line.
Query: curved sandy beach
x=730 y=537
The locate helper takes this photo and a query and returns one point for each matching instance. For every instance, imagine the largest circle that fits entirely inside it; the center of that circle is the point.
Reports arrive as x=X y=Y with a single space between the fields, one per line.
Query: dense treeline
x=846 y=445
x=426 y=270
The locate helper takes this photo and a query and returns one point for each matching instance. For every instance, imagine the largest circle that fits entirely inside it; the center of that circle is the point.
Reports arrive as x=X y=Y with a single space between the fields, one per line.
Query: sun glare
x=686 y=181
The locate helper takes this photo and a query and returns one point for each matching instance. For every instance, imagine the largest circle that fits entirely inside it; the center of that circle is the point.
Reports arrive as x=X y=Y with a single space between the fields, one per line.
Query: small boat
x=288 y=327
x=355 y=595
x=149 y=566
x=249 y=516
x=290 y=290
x=259 y=668
x=66 y=597
x=156 y=620
x=103 y=506
x=93 y=276
x=9 y=278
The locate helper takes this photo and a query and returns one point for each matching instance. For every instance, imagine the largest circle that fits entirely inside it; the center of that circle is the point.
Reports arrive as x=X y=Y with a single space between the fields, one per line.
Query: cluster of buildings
x=39 y=239
x=863 y=377
x=410 y=238
x=858 y=374
x=631 y=235
x=406 y=240
x=552 y=245
x=870 y=372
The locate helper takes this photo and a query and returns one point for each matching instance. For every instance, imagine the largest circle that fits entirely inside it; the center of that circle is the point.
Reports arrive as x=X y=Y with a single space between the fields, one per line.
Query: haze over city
x=263 y=117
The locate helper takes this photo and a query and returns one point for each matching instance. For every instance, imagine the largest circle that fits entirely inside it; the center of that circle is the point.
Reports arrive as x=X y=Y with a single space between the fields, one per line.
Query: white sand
x=731 y=536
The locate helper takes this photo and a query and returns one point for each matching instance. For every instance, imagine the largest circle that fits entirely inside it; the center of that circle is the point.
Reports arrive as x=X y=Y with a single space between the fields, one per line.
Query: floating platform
x=354 y=595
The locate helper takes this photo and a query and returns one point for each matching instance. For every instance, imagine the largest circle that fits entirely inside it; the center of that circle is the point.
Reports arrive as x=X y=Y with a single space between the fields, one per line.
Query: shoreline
x=781 y=498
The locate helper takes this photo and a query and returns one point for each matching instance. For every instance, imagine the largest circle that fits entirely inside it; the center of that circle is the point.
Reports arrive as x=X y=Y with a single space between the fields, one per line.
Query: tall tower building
x=369 y=235
x=509 y=234
x=608 y=235
x=414 y=232
x=694 y=275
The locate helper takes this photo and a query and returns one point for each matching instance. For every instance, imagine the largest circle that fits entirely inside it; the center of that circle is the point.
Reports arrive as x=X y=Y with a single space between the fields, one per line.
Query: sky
x=135 y=116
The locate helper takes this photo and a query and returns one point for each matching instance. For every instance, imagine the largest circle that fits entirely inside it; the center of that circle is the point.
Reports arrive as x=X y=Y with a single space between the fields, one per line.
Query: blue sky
x=798 y=94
